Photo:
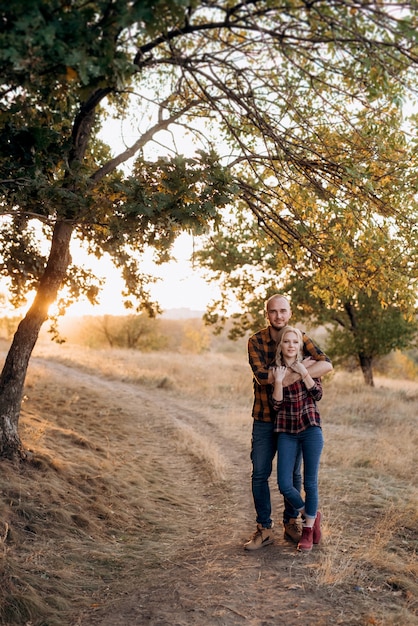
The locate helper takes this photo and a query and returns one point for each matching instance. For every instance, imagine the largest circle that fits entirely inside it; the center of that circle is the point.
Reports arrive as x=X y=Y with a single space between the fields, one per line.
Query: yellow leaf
x=71 y=74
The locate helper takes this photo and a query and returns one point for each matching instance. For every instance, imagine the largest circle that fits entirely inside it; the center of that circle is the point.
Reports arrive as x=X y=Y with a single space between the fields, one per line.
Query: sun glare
x=180 y=285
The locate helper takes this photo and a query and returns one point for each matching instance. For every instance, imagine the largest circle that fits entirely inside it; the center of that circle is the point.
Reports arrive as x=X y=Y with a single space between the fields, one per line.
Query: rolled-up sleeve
x=316 y=391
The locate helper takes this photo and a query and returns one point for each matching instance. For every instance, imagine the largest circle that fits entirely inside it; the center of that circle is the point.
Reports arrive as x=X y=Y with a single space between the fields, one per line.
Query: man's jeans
x=289 y=447
x=263 y=449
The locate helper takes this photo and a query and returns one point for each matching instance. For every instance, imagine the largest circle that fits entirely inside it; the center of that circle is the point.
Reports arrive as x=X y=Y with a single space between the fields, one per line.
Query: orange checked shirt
x=261 y=356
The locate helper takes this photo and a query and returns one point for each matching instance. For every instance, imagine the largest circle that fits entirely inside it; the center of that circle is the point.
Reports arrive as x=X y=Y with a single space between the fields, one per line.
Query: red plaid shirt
x=297 y=410
x=261 y=356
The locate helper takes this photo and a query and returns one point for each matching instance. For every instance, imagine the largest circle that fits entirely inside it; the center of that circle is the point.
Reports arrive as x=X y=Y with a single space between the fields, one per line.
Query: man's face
x=278 y=313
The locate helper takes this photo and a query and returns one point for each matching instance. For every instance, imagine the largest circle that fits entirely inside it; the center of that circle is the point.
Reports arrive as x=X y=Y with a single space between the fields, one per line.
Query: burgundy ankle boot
x=317 y=528
x=306 y=541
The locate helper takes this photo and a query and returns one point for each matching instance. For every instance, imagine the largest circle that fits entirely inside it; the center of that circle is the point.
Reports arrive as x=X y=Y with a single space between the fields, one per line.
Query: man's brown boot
x=262 y=537
x=293 y=530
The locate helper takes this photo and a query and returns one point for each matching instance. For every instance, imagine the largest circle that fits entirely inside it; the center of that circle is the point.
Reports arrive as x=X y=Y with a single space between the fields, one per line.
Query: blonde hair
x=285 y=331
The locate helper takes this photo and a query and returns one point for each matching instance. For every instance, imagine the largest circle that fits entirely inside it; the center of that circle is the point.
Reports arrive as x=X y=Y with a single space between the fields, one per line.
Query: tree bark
x=365 y=361
x=13 y=375
x=366 y=368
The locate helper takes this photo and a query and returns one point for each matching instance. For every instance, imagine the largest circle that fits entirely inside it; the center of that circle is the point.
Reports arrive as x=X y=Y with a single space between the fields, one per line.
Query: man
x=261 y=354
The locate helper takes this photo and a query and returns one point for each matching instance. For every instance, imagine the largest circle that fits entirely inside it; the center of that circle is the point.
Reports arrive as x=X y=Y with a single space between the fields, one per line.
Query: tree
x=360 y=282
x=343 y=260
x=59 y=63
x=270 y=81
x=367 y=329
x=136 y=331
x=360 y=326
x=357 y=276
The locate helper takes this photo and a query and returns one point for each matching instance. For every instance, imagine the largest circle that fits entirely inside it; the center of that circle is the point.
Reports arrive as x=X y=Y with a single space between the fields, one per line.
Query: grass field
x=100 y=503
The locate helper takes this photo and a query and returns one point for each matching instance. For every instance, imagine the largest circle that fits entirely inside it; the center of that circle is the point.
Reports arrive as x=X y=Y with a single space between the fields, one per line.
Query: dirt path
x=206 y=578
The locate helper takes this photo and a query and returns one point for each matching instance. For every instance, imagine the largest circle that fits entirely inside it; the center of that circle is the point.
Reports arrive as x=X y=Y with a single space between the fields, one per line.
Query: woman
x=298 y=425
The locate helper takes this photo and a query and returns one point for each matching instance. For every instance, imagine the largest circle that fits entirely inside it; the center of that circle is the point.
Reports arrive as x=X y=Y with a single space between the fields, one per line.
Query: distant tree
x=8 y=326
x=138 y=332
x=196 y=338
x=135 y=331
x=105 y=324
x=361 y=327
x=297 y=96
x=368 y=330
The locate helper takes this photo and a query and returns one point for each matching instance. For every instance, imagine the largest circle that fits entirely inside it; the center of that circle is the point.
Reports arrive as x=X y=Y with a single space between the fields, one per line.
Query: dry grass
x=369 y=478
x=196 y=375
x=102 y=499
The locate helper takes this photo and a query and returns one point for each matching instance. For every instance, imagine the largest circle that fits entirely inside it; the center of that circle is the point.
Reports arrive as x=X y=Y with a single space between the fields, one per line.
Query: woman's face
x=290 y=346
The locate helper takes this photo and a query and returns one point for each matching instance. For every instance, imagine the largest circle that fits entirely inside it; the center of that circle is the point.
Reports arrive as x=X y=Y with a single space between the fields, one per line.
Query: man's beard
x=276 y=327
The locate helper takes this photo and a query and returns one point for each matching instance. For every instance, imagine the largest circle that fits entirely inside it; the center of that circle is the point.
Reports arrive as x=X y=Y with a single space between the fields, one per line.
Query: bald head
x=278 y=311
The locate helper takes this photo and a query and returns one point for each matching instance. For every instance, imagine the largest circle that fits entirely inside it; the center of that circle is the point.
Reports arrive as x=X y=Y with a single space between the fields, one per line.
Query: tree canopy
x=293 y=110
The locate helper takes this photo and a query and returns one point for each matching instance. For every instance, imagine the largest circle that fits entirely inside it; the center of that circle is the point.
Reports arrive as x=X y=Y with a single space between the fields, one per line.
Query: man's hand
x=299 y=367
x=316 y=369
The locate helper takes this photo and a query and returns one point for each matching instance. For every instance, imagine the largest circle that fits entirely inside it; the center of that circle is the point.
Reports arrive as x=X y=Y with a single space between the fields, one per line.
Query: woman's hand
x=279 y=373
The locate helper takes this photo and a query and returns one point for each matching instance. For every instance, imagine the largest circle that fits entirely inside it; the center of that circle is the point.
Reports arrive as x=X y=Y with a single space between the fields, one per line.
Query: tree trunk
x=13 y=375
x=365 y=361
x=366 y=368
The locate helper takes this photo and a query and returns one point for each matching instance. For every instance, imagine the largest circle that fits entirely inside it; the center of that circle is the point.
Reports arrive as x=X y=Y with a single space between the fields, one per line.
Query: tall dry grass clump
x=369 y=483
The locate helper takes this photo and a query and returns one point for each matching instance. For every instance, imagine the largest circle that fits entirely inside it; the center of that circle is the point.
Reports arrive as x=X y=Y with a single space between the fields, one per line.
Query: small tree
x=136 y=331
x=196 y=337
x=367 y=330
x=360 y=327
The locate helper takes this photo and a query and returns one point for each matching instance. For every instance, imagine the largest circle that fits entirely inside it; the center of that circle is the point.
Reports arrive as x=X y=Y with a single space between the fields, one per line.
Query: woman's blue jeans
x=263 y=449
x=309 y=442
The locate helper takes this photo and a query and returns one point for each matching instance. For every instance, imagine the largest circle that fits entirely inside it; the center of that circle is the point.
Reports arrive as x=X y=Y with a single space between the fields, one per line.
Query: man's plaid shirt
x=297 y=411
x=261 y=356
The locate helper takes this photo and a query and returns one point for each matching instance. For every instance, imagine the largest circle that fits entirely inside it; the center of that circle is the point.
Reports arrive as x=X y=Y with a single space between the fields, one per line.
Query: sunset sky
x=182 y=286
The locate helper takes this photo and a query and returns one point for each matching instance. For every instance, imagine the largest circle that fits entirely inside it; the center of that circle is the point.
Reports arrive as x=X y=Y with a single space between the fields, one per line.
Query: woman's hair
x=286 y=330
